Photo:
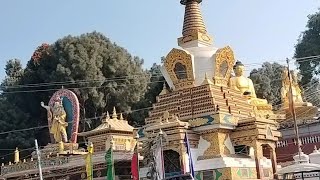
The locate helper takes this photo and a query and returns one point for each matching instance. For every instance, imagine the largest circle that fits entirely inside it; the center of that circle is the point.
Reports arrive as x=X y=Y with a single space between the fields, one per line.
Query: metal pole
x=293 y=112
x=164 y=171
x=39 y=160
x=137 y=151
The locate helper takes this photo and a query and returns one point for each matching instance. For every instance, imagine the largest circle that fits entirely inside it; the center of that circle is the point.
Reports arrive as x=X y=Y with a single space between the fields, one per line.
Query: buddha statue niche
x=245 y=85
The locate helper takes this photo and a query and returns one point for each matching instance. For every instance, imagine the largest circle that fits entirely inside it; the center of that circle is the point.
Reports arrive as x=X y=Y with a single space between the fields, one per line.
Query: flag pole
x=293 y=111
x=164 y=171
x=137 y=151
x=189 y=153
x=39 y=160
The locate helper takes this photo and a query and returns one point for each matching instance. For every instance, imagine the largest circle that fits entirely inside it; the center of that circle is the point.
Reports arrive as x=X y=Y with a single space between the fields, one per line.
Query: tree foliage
x=268 y=82
x=102 y=74
x=154 y=88
x=309 y=45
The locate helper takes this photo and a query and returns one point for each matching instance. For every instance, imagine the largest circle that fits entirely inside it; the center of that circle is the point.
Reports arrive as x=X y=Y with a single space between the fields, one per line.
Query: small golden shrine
x=232 y=133
x=303 y=110
x=112 y=129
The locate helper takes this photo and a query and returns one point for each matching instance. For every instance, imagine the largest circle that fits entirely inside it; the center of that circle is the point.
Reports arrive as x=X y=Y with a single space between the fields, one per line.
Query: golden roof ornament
x=121 y=116
x=114 y=114
x=164 y=89
x=206 y=80
x=106 y=118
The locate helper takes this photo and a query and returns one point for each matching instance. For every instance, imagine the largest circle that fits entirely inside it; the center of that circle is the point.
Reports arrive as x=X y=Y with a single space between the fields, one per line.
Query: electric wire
x=71 y=82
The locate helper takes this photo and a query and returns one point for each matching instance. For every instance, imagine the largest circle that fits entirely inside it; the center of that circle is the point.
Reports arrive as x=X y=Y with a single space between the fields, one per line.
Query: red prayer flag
x=134 y=167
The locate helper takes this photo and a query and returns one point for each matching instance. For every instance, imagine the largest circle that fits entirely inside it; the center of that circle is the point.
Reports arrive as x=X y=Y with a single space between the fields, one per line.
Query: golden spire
x=114 y=114
x=106 y=118
x=121 y=117
x=206 y=80
x=164 y=89
x=194 y=28
x=193 y=20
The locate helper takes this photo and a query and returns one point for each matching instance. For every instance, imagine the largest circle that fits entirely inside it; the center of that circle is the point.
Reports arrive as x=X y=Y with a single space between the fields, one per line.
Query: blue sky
x=257 y=30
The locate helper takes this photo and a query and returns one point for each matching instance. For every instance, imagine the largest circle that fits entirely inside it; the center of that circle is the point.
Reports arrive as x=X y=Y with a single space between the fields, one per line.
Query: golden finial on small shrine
x=105 y=118
x=114 y=114
x=121 y=116
x=164 y=89
x=16 y=156
x=206 y=80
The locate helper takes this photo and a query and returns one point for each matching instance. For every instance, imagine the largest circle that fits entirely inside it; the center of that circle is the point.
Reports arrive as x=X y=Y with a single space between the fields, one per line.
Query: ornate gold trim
x=179 y=56
x=224 y=55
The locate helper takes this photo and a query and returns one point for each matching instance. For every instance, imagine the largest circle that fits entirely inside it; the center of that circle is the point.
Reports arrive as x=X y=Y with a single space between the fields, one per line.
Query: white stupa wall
x=203 y=62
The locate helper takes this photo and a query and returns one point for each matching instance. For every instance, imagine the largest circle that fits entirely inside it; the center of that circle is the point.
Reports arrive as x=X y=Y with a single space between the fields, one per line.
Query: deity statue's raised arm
x=49 y=113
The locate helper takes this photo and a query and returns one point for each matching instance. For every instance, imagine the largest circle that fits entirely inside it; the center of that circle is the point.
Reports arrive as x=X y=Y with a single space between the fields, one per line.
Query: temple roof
x=110 y=124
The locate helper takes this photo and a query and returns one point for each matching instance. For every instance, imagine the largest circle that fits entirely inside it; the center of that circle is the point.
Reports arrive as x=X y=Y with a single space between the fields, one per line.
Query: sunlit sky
x=258 y=31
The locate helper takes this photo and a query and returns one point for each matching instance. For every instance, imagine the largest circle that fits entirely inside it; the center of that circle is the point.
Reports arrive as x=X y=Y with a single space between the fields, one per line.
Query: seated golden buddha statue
x=245 y=85
x=296 y=91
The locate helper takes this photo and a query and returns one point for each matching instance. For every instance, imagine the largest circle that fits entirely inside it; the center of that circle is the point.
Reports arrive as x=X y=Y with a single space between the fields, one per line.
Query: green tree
x=101 y=73
x=154 y=88
x=309 y=45
x=11 y=116
x=268 y=82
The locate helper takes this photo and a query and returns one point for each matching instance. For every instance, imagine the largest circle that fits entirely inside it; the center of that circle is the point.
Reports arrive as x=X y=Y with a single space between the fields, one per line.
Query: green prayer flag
x=110 y=167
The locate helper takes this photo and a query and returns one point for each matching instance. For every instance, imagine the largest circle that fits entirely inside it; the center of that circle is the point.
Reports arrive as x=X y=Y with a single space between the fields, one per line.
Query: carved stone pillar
x=217 y=144
x=183 y=158
x=273 y=158
x=258 y=154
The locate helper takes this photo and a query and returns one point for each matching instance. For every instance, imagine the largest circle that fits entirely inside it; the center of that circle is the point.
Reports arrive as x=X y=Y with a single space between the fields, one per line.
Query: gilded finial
x=194 y=28
x=105 y=118
x=114 y=114
x=16 y=156
x=121 y=116
x=108 y=116
x=206 y=81
x=164 y=89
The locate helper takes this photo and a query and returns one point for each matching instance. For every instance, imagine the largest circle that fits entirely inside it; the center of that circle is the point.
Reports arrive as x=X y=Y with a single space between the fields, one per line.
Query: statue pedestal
x=304 y=111
x=52 y=150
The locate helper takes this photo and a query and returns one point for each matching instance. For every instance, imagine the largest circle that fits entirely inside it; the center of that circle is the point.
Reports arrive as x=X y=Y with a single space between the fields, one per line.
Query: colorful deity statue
x=245 y=85
x=57 y=118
